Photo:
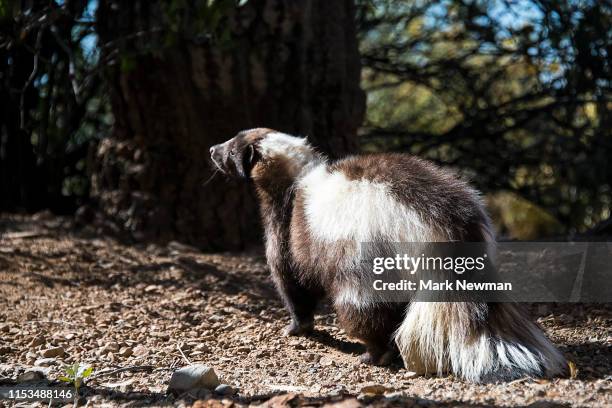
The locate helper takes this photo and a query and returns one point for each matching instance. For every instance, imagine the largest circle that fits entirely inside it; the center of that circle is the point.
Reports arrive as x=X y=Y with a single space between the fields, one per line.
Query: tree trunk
x=289 y=65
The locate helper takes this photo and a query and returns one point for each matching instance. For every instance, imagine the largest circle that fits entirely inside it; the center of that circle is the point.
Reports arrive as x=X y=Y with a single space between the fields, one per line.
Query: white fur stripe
x=296 y=150
x=341 y=209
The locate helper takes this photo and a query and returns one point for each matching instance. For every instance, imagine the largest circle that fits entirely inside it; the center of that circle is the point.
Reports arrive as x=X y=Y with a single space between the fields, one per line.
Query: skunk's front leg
x=300 y=301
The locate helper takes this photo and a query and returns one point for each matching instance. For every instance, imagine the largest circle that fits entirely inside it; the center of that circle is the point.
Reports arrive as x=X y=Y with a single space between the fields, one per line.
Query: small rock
x=125 y=351
x=376 y=389
x=37 y=341
x=366 y=398
x=45 y=362
x=140 y=350
x=283 y=400
x=151 y=288
x=202 y=347
x=312 y=357
x=109 y=348
x=193 y=376
x=347 y=403
x=160 y=335
x=297 y=344
x=339 y=391
x=30 y=375
x=410 y=374
x=178 y=246
x=398 y=395
x=326 y=361
x=225 y=389
x=52 y=352
x=4 y=350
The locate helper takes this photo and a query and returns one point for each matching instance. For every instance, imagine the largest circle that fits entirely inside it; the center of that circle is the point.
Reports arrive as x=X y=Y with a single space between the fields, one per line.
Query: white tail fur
x=478 y=342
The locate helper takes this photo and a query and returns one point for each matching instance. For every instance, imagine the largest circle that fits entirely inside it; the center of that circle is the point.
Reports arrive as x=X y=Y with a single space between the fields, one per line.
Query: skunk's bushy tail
x=479 y=342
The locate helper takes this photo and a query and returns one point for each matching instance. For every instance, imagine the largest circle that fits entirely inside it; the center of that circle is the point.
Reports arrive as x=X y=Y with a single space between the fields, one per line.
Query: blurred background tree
x=516 y=94
x=51 y=104
x=193 y=73
x=114 y=104
x=183 y=75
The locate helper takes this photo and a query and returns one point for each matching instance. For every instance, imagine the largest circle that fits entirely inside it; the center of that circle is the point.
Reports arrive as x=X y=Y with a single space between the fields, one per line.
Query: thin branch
x=123 y=369
x=178 y=346
x=71 y=69
x=31 y=77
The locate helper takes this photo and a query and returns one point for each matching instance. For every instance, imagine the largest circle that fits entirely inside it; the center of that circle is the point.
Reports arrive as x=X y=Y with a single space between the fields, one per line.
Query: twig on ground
x=178 y=346
x=123 y=369
x=53 y=322
x=520 y=380
x=23 y=234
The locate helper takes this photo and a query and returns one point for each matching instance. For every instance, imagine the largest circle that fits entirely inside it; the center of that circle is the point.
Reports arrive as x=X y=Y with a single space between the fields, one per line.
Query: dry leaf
x=572 y=369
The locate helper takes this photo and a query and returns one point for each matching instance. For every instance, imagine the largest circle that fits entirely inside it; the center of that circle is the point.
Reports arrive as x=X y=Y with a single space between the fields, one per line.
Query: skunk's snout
x=216 y=155
x=215 y=152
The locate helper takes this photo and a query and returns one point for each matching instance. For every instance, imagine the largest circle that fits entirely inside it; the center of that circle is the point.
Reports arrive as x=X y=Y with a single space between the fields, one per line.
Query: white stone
x=193 y=376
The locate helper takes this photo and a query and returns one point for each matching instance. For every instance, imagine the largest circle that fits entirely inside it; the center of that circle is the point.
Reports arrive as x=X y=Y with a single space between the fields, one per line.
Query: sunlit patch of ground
x=128 y=309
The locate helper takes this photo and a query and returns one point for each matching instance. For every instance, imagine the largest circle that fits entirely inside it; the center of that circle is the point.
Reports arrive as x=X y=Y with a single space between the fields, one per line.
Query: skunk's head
x=259 y=153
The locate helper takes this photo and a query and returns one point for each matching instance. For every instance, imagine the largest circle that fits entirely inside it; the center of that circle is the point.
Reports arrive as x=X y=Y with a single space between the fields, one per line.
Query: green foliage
x=515 y=94
x=76 y=375
x=146 y=27
x=54 y=59
x=128 y=63
x=516 y=218
x=55 y=102
x=4 y=9
x=8 y=9
x=130 y=30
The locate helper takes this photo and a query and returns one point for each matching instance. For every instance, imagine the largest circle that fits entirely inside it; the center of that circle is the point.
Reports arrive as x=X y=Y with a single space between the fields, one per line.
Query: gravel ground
x=136 y=313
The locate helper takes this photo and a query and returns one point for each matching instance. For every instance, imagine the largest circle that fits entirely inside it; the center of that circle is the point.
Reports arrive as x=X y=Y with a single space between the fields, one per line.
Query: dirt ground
x=138 y=312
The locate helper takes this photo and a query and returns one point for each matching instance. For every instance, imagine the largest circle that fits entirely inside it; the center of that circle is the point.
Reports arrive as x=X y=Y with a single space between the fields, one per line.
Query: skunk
x=316 y=213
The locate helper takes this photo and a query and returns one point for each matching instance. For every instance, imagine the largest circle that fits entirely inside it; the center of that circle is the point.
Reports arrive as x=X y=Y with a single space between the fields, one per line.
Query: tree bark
x=289 y=65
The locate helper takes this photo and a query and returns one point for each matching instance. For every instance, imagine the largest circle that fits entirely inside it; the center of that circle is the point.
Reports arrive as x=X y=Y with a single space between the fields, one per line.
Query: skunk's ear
x=250 y=155
x=245 y=160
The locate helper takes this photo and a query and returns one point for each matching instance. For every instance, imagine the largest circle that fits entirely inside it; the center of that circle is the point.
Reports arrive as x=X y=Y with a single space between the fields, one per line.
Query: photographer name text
x=431 y=285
